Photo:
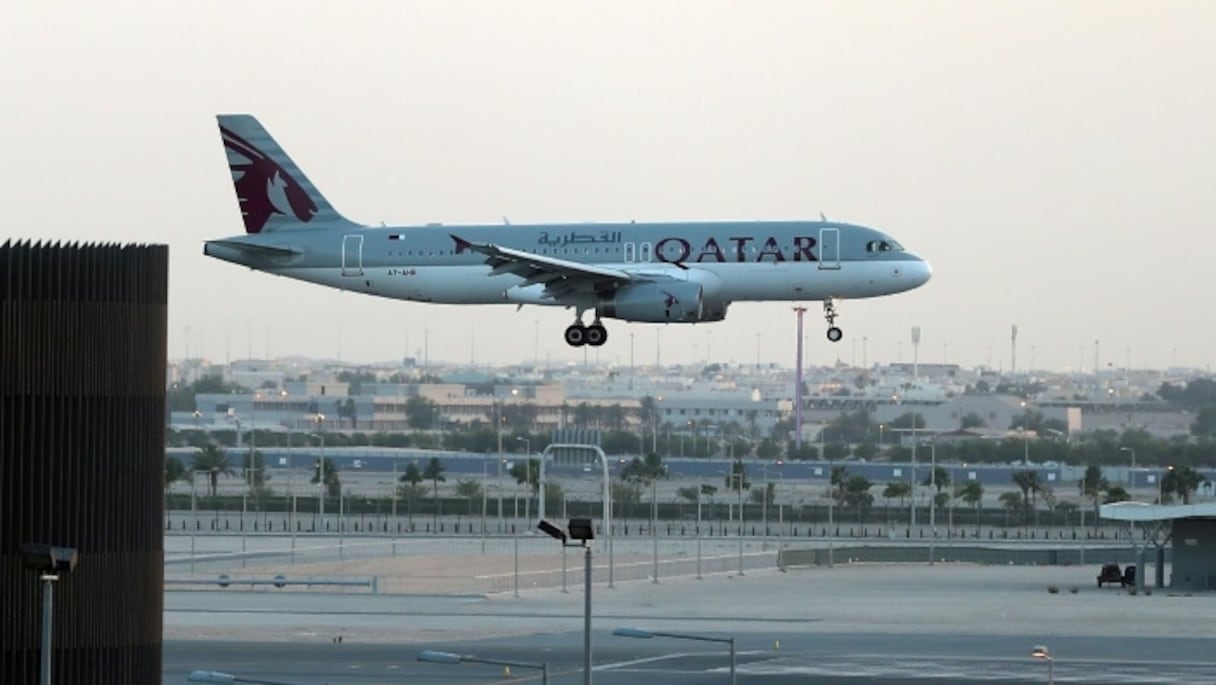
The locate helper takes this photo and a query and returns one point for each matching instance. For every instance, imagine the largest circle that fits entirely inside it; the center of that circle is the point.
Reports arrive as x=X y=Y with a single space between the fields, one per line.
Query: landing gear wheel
x=829 y=313
x=596 y=335
x=576 y=335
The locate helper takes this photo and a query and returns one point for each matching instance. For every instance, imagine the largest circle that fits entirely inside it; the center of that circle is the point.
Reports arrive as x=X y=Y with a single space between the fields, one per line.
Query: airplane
x=680 y=272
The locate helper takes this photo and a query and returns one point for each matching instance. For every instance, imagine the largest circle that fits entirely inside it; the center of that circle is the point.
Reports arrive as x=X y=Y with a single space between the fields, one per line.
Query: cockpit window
x=887 y=245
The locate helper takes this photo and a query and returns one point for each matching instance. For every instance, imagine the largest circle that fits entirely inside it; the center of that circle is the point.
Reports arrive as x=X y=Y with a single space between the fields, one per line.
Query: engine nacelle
x=655 y=302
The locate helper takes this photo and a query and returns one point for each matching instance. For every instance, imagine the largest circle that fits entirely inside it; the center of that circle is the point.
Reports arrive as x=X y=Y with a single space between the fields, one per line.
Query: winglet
x=461 y=243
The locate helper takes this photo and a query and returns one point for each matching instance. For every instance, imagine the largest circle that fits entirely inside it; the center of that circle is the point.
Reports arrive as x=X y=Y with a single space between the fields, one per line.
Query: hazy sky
x=1053 y=160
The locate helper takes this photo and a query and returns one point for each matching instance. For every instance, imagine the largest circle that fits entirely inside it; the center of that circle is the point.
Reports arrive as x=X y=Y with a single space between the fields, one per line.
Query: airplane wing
x=561 y=278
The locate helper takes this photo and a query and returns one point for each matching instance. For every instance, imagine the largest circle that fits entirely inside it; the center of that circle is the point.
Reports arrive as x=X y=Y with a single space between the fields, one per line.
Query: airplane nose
x=924 y=272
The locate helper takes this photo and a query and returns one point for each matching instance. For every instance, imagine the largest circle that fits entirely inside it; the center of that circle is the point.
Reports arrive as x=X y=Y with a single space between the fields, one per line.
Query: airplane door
x=352 y=255
x=829 y=248
x=644 y=251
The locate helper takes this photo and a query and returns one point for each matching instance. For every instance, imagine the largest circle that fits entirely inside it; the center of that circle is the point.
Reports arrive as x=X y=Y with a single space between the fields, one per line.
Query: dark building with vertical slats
x=82 y=416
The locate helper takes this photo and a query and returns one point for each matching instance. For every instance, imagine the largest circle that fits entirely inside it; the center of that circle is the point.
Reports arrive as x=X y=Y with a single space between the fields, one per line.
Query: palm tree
x=1028 y=483
x=212 y=459
x=857 y=491
x=648 y=415
x=434 y=472
x=1181 y=481
x=838 y=480
x=411 y=477
x=1012 y=501
x=469 y=490
x=896 y=489
x=1091 y=485
x=972 y=492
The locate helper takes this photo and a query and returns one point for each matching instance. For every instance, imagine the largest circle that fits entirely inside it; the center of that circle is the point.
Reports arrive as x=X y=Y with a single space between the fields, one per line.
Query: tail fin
x=274 y=195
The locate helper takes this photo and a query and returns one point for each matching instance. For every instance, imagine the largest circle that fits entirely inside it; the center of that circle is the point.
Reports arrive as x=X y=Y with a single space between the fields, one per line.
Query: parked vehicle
x=1110 y=573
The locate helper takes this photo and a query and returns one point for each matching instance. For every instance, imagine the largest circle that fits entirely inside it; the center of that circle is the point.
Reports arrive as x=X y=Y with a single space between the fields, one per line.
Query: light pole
x=1131 y=475
x=320 y=421
x=647 y=634
x=50 y=562
x=932 y=499
x=1041 y=652
x=221 y=677
x=435 y=657
x=540 y=478
x=1025 y=434
x=582 y=533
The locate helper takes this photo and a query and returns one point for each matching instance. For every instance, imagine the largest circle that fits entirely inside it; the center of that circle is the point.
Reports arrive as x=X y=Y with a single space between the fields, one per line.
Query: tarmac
x=911 y=599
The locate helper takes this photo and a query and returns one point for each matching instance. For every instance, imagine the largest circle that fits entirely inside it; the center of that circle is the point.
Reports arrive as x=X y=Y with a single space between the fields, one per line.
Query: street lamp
x=647 y=634
x=540 y=479
x=50 y=562
x=1041 y=652
x=582 y=533
x=220 y=677
x=1025 y=434
x=1131 y=475
x=434 y=657
x=320 y=420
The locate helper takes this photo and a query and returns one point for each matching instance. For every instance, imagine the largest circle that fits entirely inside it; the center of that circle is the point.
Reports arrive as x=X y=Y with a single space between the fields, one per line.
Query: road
x=856 y=659
x=855 y=623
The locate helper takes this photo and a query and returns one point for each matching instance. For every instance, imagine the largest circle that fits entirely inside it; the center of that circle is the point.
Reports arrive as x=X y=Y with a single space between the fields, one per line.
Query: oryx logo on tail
x=263 y=187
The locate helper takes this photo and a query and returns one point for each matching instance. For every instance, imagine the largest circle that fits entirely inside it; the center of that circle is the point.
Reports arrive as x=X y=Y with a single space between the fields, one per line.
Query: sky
x=1052 y=160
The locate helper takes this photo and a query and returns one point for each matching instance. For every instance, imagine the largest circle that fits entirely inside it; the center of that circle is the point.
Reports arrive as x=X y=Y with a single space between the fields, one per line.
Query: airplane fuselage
x=745 y=261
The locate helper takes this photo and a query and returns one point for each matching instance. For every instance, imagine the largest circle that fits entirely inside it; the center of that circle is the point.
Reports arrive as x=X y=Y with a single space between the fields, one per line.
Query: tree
x=410 y=479
x=972 y=492
x=1012 y=501
x=768 y=449
x=939 y=478
x=691 y=493
x=421 y=413
x=897 y=489
x=837 y=481
x=174 y=471
x=470 y=490
x=1091 y=485
x=973 y=420
x=326 y=469
x=1028 y=483
x=253 y=466
x=1115 y=493
x=648 y=417
x=213 y=460
x=644 y=471
x=1205 y=422
x=737 y=478
x=857 y=493
x=1181 y=481
x=625 y=493
x=528 y=472
x=433 y=472
x=764 y=496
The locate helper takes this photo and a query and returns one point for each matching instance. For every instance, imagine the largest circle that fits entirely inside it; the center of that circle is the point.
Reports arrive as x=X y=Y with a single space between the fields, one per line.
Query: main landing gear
x=829 y=313
x=594 y=335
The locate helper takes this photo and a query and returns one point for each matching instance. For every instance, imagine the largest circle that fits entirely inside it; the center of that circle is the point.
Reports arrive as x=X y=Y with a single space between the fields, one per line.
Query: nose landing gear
x=829 y=313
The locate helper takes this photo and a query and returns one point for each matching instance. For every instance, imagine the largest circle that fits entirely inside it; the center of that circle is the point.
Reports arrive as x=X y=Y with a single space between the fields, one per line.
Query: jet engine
x=654 y=302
